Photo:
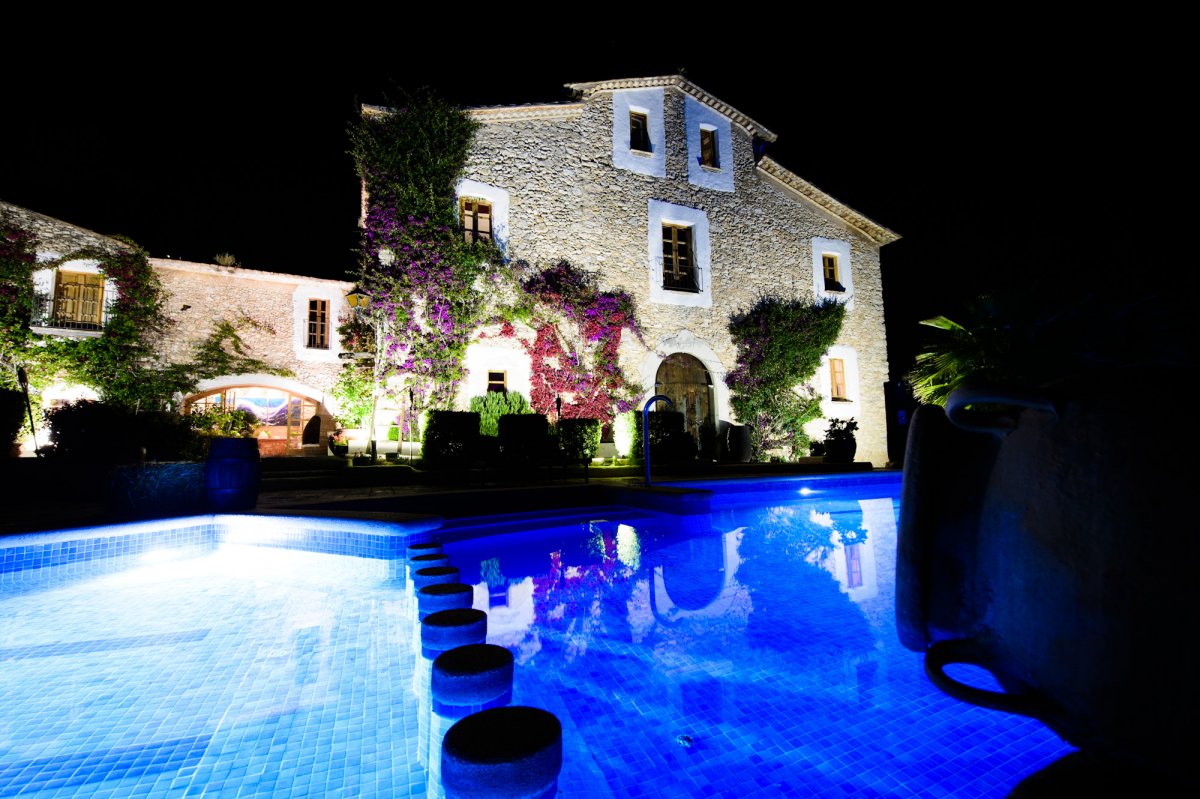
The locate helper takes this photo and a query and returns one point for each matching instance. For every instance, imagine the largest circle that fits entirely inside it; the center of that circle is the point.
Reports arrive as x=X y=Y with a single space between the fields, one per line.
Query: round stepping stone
x=433 y=575
x=443 y=596
x=465 y=680
x=503 y=753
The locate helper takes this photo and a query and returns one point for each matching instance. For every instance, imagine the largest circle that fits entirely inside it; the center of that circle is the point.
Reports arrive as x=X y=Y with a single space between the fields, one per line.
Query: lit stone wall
x=569 y=201
x=55 y=238
x=201 y=295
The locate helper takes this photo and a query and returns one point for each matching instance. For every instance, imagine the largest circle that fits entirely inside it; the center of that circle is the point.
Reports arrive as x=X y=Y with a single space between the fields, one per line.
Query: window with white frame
x=638 y=135
x=838 y=379
x=832 y=274
x=709 y=144
x=73 y=299
x=483 y=212
x=318 y=324
x=679 y=255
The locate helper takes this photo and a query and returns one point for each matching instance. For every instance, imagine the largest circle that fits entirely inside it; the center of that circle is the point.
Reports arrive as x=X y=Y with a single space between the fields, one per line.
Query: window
x=829 y=266
x=837 y=380
x=854 y=578
x=639 y=132
x=709 y=156
x=476 y=216
x=497 y=381
x=679 y=271
x=78 y=301
x=318 y=325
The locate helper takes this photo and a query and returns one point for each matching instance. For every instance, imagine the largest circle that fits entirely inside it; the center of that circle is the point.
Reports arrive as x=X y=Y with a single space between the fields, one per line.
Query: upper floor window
x=833 y=277
x=639 y=142
x=832 y=270
x=70 y=299
x=639 y=131
x=497 y=381
x=709 y=154
x=78 y=301
x=709 y=146
x=318 y=325
x=837 y=379
x=679 y=266
x=476 y=217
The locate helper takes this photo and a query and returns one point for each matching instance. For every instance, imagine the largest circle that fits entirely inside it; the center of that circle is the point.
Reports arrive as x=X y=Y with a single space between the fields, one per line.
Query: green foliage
x=411 y=156
x=669 y=441
x=841 y=430
x=217 y=422
x=525 y=437
x=780 y=344
x=18 y=257
x=223 y=352
x=451 y=438
x=494 y=404
x=109 y=433
x=579 y=438
x=353 y=392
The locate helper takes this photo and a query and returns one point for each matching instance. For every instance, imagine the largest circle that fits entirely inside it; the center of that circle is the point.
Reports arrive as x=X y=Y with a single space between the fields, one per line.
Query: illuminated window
x=833 y=276
x=497 y=381
x=853 y=566
x=837 y=379
x=476 y=216
x=318 y=325
x=679 y=271
x=639 y=132
x=708 y=148
x=78 y=301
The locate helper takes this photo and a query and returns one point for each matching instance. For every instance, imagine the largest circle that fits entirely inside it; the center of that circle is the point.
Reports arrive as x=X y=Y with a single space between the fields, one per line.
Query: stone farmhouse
x=651 y=184
x=664 y=191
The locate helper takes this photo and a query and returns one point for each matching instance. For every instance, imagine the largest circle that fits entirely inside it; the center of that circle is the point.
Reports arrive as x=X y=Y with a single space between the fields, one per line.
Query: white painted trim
x=499 y=199
x=494 y=355
x=697 y=116
x=821 y=247
x=658 y=213
x=649 y=102
x=686 y=342
x=332 y=293
x=823 y=385
x=267 y=381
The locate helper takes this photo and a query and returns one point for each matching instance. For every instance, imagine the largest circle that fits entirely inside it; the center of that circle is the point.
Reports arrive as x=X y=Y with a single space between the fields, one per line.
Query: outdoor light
x=358 y=299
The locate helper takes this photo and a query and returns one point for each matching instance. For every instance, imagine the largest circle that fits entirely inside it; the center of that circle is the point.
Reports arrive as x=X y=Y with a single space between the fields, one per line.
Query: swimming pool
x=746 y=652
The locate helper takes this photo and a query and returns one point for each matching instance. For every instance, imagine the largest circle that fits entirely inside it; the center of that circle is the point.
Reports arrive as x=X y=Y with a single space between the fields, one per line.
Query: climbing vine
x=574 y=350
x=419 y=272
x=779 y=348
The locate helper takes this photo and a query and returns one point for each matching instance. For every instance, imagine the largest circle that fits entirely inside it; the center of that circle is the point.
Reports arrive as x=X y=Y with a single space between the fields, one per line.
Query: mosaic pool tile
x=722 y=656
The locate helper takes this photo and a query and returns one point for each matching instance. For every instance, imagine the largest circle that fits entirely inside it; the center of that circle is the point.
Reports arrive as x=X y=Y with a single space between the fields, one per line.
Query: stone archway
x=684 y=379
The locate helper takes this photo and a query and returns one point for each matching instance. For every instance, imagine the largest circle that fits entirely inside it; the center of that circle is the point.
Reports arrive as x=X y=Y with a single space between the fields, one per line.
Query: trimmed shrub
x=525 y=437
x=494 y=404
x=579 y=438
x=451 y=438
x=669 y=442
x=98 y=431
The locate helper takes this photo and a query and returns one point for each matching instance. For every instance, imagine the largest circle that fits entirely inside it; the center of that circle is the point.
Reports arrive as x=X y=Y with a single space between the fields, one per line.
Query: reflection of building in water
x=510 y=622
x=697 y=577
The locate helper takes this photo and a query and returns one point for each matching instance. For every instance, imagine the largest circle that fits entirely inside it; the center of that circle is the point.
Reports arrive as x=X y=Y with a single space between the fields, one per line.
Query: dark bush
x=579 y=439
x=95 y=431
x=451 y=438
x=525 y=437
x=669 y=442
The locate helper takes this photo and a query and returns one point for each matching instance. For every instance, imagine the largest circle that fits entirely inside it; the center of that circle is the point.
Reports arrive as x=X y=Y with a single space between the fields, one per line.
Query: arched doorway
x=285 y=417
x=684 y=379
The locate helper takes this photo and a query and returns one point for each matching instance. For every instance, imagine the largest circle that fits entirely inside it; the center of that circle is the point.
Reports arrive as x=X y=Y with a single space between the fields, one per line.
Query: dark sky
x=1010 y=163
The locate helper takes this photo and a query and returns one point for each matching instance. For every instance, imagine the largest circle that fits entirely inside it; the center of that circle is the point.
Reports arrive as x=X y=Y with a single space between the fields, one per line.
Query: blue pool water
x=749 y=652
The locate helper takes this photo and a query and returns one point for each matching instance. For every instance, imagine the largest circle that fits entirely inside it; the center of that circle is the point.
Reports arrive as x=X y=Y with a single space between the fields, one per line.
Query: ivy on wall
x=779 y=347
x=420 y=273
x=122 y=365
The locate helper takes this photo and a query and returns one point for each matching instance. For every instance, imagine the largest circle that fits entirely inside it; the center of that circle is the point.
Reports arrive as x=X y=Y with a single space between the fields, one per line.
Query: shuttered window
x=476 y=217
x=318 y=325
x=708 y=148
x=679 y=270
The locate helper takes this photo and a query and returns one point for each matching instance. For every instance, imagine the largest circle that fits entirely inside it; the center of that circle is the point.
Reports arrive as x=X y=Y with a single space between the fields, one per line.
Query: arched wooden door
x=684 y=379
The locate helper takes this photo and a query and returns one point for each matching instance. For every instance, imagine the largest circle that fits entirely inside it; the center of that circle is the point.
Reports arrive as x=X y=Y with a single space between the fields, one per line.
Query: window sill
x=714 y=169
x=681 y=290
x=840 y=399
x=65 y=332
x=641 y=153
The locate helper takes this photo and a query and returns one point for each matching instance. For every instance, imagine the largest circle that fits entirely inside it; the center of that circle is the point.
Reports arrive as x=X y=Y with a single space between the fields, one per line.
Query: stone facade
x=573 y=190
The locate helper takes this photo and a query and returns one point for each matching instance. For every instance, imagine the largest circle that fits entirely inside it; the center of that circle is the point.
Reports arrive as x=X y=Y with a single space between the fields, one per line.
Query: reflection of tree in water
x=575 y=602
x=799 y=608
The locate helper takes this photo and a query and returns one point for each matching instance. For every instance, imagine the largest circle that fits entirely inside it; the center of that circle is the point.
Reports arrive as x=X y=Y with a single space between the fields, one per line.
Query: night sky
x=1005 y=164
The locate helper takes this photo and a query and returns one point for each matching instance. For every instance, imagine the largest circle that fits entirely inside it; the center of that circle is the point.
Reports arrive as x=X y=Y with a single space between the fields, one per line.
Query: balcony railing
x=74 y=307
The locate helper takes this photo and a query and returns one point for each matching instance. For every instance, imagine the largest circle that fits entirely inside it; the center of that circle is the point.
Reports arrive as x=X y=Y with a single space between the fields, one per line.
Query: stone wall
x=270 y=309
x=569 y=201
x=55 y=238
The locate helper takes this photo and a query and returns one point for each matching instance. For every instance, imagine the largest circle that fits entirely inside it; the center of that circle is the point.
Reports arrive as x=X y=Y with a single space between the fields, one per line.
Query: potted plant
x=339 y=443
x=840 y=445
